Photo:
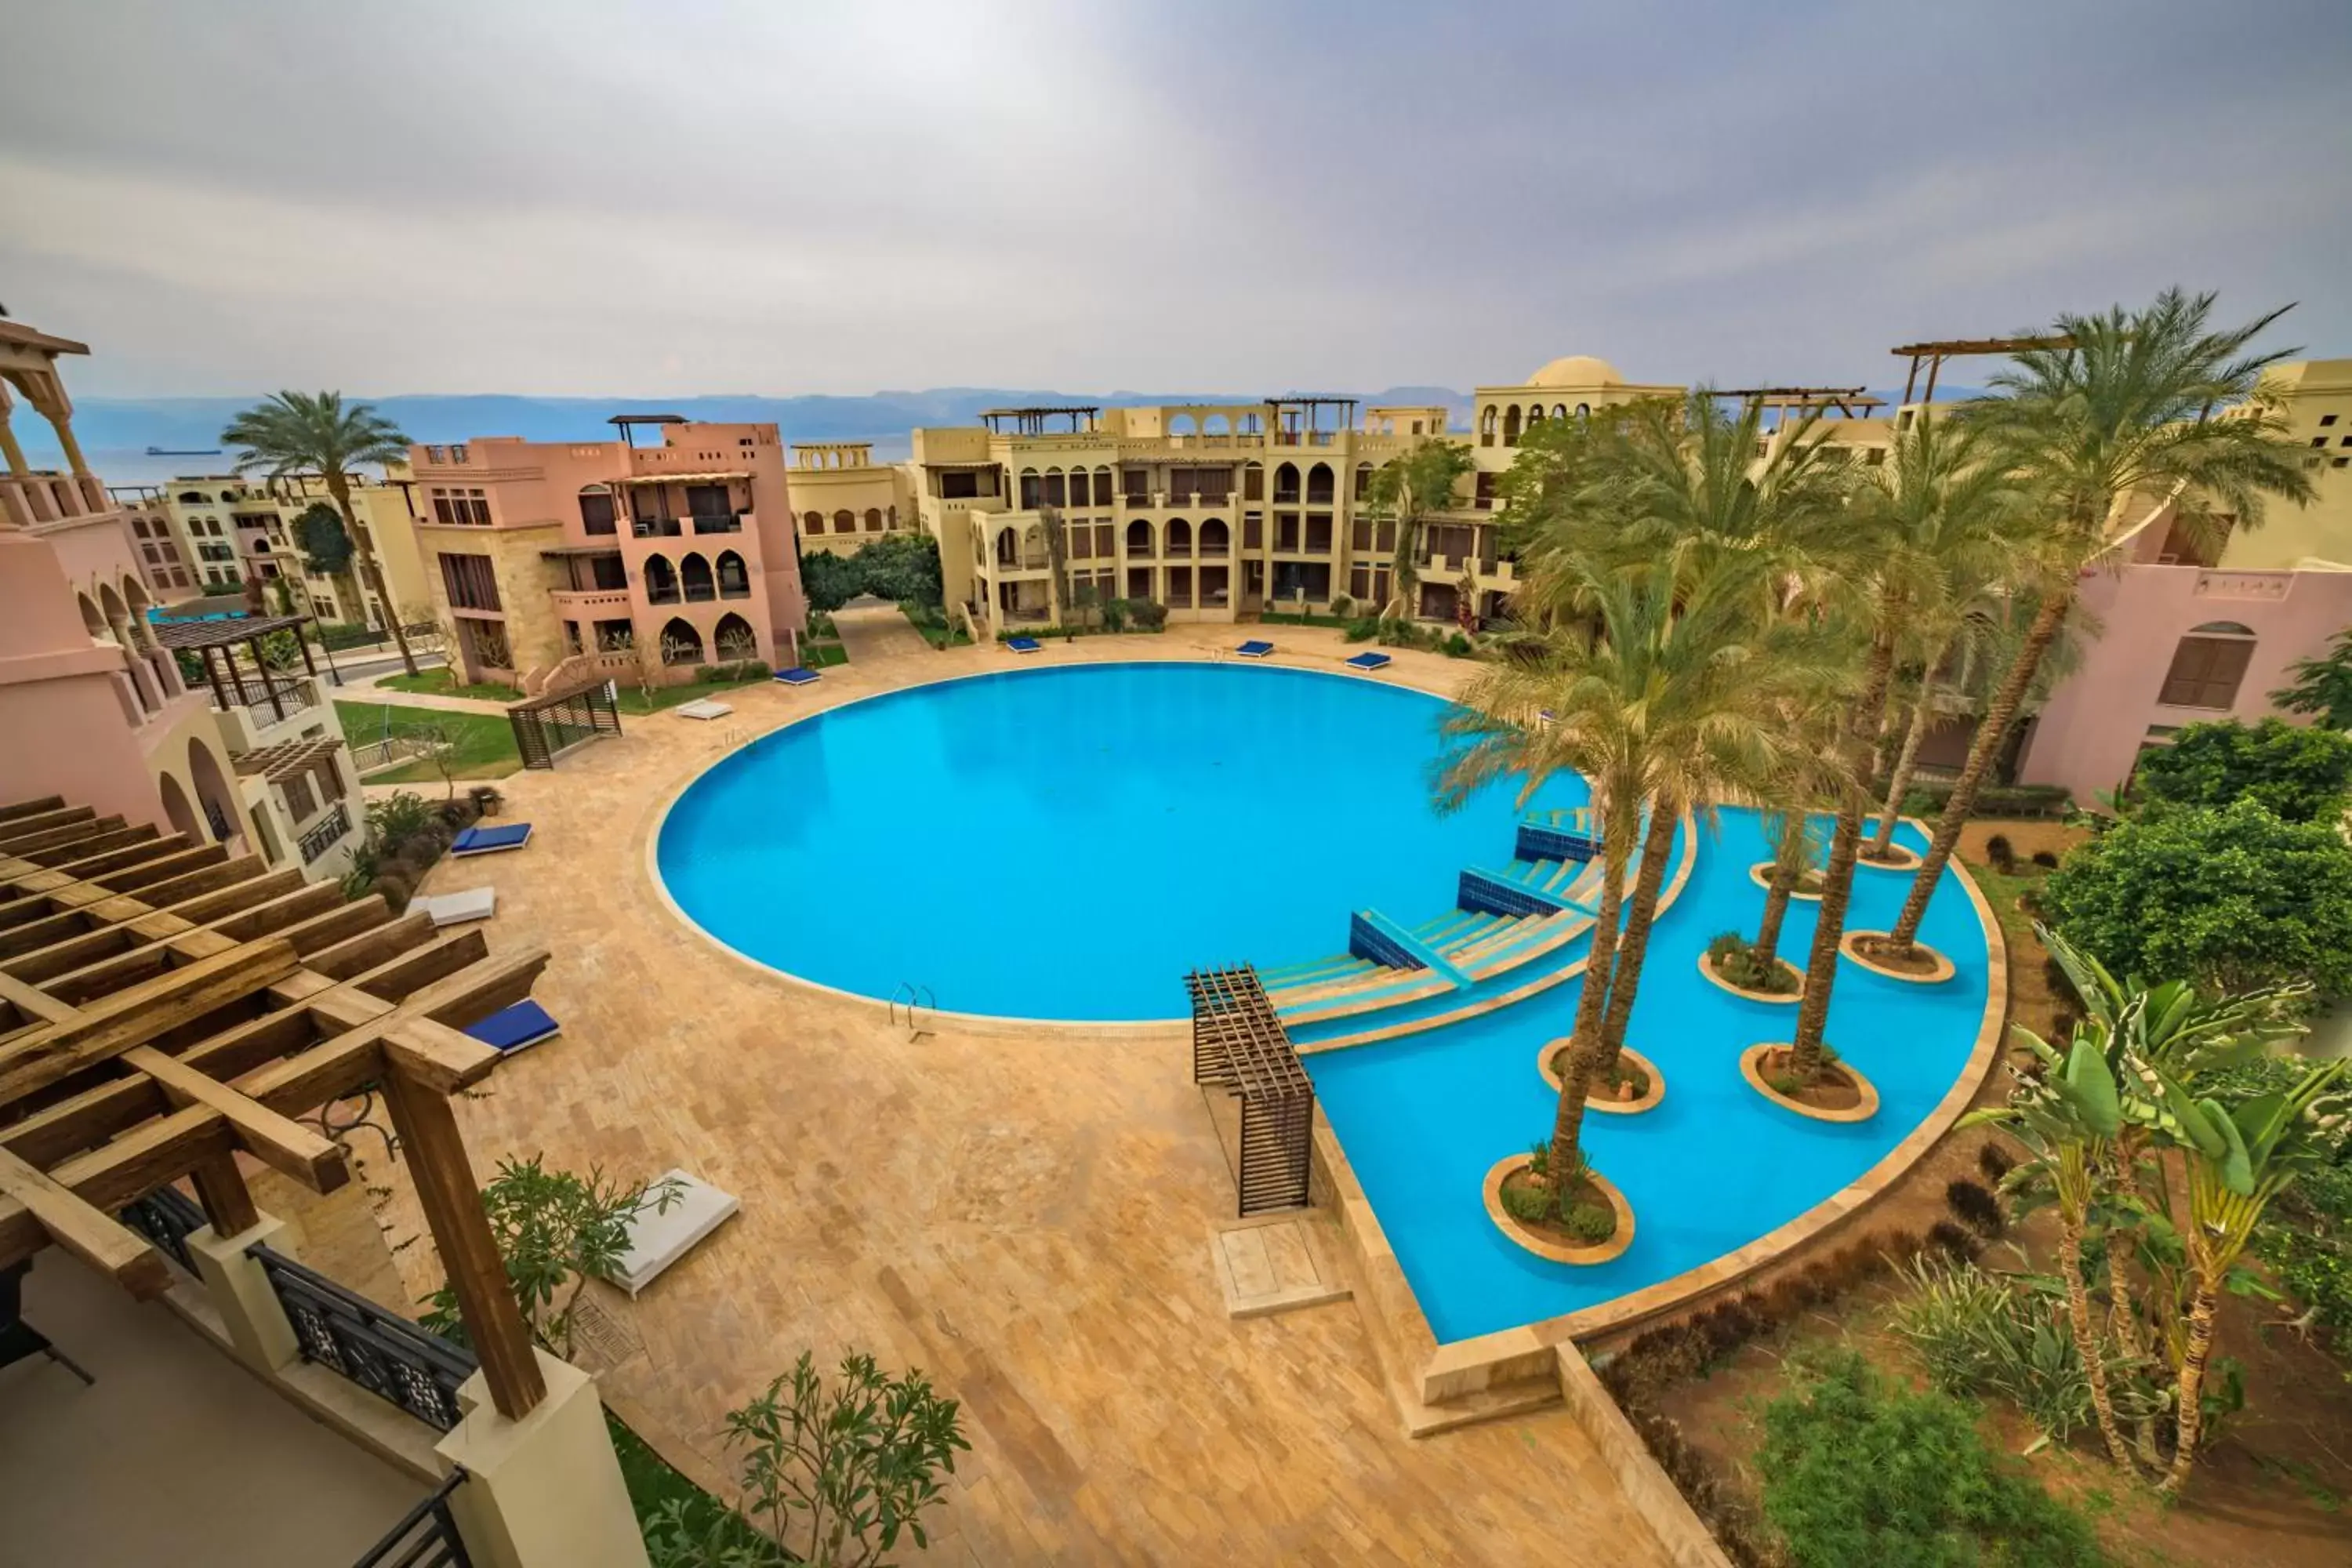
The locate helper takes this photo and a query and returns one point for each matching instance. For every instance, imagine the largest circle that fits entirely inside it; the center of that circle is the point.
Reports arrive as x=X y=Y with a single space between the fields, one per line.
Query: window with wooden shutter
x=2206 y=671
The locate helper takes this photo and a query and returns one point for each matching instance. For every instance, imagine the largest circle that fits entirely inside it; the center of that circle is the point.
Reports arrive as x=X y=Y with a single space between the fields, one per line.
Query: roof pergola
x=165 y=1007
x=1853 y=401
x=1033 y=421
x=283 y=761
x=1936 y=352
x=206 y=638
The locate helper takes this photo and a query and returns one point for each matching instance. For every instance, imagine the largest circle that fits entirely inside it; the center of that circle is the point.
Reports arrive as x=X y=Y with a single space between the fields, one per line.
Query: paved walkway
x=873 y=631
x=371 y=690
x=176 y=1455
x=1026 y=1216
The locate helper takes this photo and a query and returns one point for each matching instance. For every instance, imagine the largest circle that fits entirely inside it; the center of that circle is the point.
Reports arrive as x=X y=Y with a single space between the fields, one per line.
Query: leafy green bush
x=1928 y=798
x=2233 y=899
x=1738 y=961
x=1979 y=1334
x=1148 y=615
x=1457 y=646
x=1858 y=1473
x=1528 y=1204
x=1589 y=1223
x=903 y=565
x=830 y=581
x=1342 y=606
x=2298 y=772
x=340 y=634
x=1364 y=630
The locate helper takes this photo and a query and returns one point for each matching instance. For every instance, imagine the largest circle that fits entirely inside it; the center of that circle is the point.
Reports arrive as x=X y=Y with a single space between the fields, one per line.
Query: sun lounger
x=796 y=677
x=458 y=909
x=517 y=1028
x=1254 y=649
x=1368 y=661
x=657 y=1240
x=491 y=840
x=1023 y=645
x=703 y=709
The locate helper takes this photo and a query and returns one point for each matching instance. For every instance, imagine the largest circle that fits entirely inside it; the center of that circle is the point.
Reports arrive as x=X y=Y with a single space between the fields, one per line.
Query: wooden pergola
x=1240 y=1046
x=1852 y=402
x=1936 y=354
x=165 y=1007
x=207 y=638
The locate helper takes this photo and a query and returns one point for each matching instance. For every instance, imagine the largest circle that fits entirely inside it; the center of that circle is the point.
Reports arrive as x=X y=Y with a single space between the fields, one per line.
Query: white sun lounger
x=456 y=908
x=703 y=707
x=658 y=1240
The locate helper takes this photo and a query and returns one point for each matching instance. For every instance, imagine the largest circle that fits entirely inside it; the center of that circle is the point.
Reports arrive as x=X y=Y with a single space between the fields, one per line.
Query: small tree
x=838 y=1474
x=555 y=1231
x=326 y=548
x=2233 y=898
x=737 y=643
x=2299 y=774
x=902 y=566
x=830 y=581
x=1407 y=488
x=2322 y=686
x=433 y=741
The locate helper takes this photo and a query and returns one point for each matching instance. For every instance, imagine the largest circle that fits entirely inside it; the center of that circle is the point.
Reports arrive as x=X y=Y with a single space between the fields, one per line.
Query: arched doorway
x=179 y=813
x=680 y=643
x=734 y=638
x=215 y=798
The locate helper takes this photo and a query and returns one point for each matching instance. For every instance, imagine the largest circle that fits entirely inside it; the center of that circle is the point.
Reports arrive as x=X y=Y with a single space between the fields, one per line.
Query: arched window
x=1560 y=410
x=1511 y=425
x=680 y=643
x=812 y=522
x=2209 y=666
x=1319 y=485
x=1056 y=494
x=1180 y=537
x=597 y=514
x=873 y=520
x=734 y=582
x=733 y=638
x=1008 y=548
x=844 y=522
x=1253 y=481
x=1363 y=481
x=1215 y=537
x=890 y=515
x=661 y=580
x=1139 y=537
x=1180 y=424
x=1535 y=415
x=694 y=574
x=1102 y=486
x=1081 y=487
x=1285 y=484
x=1032 y=489
x=1584 y=410
x=1215 y=424
x=92 y=622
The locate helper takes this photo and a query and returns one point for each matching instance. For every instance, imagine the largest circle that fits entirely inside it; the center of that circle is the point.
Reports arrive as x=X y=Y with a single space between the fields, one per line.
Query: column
x=544 y=1490
x=8 y=447
x=258 y=1328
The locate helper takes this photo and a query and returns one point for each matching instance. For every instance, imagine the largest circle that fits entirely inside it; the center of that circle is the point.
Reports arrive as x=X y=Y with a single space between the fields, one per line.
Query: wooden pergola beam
x=136 y=1016
x=62 y=1215
x=274 y=1139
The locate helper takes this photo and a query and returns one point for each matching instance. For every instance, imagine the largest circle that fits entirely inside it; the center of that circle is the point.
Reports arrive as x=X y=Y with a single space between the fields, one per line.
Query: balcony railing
x=654 y=528
x=325 y=833
x=2242 y=585
x=381 y=1351
x=269 y=701
x=731 y=522
x=31 y=500
x=167 y=1216
x=426 y=1538
x=587 y=601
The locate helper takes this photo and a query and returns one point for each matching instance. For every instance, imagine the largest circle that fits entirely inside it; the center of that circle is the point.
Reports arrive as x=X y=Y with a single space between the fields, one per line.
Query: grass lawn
x=822 y=655
x=484 y=743
x=442 y=682
x=632 y=700
x=653 y=1483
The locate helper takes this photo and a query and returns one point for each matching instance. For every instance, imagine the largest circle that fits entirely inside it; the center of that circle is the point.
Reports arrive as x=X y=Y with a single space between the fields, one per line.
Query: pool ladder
x=908 y=995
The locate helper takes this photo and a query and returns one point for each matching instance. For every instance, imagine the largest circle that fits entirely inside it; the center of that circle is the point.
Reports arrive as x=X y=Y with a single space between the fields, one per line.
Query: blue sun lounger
x=1368 y=661
x=1254 y=649
x=797 y=676
x=516 y=1028
x=1023 y=645
x=490 y=840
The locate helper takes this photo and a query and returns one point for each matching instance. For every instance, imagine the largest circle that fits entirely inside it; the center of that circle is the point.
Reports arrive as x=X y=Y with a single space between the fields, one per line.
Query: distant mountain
x=135 y=423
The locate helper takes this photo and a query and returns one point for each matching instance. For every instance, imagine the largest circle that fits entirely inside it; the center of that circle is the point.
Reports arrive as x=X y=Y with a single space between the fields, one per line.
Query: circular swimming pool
x=1064 y=843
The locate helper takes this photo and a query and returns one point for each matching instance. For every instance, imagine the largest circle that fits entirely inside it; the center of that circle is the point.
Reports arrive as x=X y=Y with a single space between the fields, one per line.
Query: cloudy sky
x=603 y=196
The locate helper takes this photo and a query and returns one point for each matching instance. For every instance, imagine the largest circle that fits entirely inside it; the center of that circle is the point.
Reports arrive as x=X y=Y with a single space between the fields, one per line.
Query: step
x=1430 y=957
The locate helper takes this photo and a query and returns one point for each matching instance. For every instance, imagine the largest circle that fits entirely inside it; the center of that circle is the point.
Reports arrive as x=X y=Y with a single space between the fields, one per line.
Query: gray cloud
x=605 y=196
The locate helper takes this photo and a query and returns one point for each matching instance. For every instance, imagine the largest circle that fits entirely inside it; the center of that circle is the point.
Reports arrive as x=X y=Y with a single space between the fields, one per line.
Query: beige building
x=844 y=498
x=228 y=529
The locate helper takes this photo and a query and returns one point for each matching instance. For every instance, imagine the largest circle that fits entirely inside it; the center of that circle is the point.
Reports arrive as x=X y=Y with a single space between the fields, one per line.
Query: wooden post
x=212 y=673
x=453 y=1210
x=228 y=1203
x=304 y=644
x=269 y=681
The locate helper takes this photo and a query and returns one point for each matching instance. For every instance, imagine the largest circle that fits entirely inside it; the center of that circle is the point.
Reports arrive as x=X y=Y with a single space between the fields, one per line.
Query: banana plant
x=2239 y=1158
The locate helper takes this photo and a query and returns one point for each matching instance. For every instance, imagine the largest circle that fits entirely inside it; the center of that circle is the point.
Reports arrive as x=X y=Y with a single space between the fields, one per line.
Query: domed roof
x=1577 y=370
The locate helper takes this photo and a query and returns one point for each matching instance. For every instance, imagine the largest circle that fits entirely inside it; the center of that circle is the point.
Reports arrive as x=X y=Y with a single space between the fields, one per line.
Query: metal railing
x=326 y=833
x=381 y=1351
x=427 y=1537
x=168 y=1216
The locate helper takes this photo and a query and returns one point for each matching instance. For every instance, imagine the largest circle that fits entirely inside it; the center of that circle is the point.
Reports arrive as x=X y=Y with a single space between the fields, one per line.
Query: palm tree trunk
x=1906 y=761
x=1788 y=862
x=340 y=486
x=2123 y=1315
x=1991 y=732
x=1585 y=1052
x=1837 y=877
x=1657 y=849
x=2201 y=1313
x=2087 y=1342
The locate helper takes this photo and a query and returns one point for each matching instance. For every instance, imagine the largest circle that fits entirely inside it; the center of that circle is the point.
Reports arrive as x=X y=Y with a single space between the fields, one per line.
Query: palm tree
x=1406 y=488
x=2155 y=404
x=1928 y=523
x=293 y=432
x=1795 y=842
x=1661 y=692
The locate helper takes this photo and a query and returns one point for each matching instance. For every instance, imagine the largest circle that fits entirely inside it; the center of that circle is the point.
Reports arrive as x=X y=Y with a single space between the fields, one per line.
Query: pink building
x=555 y=562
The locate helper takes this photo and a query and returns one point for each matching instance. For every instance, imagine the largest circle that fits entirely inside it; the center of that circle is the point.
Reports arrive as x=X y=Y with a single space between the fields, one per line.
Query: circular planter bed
x=1793 y=996
x=1898 y=858
x=1841 y=1094
x=1929 y=967
x=1633 y=1068
x=1553 y=1241
x=1809 y=883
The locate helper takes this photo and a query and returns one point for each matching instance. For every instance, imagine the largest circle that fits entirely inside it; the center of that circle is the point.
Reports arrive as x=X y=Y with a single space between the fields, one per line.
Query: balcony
x=325 y=833
x=590 y=603
x=37 y=501
x=719 y=523
x=2271 y=586
x=655 y=528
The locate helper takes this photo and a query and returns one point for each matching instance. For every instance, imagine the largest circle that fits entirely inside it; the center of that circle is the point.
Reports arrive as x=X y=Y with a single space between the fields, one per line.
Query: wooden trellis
x=165 y=1005
x=1239 y=1045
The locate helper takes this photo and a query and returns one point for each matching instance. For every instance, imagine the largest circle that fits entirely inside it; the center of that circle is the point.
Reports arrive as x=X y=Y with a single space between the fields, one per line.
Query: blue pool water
x=1712 y=1168
x=1066 y=842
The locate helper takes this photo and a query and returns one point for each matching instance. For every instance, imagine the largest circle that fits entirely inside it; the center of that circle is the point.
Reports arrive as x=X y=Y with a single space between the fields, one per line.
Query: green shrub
x=1457 y=646
x=1589 y=1223
x=1979 y=1334
x=1148 y=615
x=340 y=634
x=392 y=818
x=1926 y=798
x=1363 y=631
x=1857 y=1473
x=2297 y=772
x=1528 y=1204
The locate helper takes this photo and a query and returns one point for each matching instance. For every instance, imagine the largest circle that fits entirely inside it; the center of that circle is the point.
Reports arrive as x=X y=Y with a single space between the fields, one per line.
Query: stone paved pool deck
x=1025 y=1214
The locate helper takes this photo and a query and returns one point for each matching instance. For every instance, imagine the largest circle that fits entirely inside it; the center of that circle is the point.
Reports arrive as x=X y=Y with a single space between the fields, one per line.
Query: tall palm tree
x=1926 y=525
x=294 y=432
x=2155 y=404
x=1408 y=488
x=1663 y=691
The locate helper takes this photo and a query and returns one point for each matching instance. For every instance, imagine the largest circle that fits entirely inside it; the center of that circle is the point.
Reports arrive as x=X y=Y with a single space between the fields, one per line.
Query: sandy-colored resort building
x=230 y=530
x=554 y=561
x=844 y=499
x=184 y=725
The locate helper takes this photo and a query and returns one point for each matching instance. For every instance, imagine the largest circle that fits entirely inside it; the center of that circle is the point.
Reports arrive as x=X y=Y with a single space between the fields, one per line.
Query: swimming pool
x=1715 y=1166
x=1064 y=843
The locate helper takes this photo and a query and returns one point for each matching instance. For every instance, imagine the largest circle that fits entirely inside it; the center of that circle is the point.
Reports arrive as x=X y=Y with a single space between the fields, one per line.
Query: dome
x=1577 y=370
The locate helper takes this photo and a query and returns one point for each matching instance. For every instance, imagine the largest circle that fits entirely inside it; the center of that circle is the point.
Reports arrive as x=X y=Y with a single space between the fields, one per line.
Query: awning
x=683 y=479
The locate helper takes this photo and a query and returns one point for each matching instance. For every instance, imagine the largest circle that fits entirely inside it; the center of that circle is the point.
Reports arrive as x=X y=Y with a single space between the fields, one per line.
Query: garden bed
x=1790 y=972
x=1634 y=1085
x=1514 y=1188
x=1840 y=1092
x=1919 y=964
x=1809 y=880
